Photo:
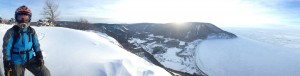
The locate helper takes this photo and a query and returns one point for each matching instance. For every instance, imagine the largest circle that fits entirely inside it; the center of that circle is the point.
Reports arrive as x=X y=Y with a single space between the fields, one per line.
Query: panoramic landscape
x=156 y=38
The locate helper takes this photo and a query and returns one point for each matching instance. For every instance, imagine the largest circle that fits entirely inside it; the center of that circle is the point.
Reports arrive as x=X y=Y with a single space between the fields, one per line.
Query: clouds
x=89 y=9
x=286 y=11
x=214 y=11
x=223 y=12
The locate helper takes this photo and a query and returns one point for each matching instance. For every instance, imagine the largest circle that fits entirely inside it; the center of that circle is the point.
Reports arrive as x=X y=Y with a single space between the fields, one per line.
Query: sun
x=180 y=11
x=179 y=23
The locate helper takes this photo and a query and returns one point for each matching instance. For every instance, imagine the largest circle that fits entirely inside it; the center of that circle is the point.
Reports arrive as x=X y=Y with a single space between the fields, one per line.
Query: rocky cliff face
x=170 y=46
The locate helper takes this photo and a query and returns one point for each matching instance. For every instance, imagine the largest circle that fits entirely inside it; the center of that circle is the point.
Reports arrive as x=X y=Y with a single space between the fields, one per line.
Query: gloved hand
x=40 y=62
x=40 y=59
x=7 y=68
x=7 y=65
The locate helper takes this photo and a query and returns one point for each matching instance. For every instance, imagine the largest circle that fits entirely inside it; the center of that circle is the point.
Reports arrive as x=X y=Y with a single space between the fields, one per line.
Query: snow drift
x=69 y=52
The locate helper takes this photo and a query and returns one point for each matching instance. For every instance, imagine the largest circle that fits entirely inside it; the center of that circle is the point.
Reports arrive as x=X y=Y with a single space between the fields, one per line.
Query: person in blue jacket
x=21 y=48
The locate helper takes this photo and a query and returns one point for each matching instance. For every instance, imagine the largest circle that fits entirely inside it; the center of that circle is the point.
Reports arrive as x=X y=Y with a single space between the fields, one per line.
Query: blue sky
x=223 y=12
x=286 y=11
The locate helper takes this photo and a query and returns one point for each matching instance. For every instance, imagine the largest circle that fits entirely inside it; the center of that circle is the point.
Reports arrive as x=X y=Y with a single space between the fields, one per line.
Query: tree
x=82 y=24
x=11 y=21
x=50 y=11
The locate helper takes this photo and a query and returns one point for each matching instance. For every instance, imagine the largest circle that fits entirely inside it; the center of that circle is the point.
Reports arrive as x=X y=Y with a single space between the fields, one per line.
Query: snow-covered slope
x=257 y=52
x=71 y=52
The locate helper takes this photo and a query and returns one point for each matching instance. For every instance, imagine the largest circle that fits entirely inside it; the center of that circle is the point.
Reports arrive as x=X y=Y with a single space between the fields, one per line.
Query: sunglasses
x=23 y=18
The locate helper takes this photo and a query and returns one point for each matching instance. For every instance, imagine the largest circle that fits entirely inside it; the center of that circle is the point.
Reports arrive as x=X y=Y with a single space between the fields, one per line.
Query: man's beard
x=23 y=25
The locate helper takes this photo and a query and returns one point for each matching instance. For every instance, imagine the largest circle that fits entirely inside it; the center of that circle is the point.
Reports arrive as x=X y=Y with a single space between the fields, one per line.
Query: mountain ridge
x=155 y=42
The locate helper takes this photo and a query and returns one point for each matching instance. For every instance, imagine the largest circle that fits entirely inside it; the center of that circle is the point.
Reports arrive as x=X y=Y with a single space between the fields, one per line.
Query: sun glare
x=165 y=11
x=179 y=23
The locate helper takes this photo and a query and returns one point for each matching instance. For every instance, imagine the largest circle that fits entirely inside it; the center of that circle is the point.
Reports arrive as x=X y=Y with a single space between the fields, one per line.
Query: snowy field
x=69 y=52
x=259 y=51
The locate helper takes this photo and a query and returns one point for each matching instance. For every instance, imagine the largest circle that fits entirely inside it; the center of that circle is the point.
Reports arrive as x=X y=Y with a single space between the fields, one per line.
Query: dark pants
x=32 y=66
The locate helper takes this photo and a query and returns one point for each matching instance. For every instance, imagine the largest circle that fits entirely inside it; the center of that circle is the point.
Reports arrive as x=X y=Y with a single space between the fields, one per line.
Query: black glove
x=40 y=62
x=7 y=65
x=7 y=68
x=40 y=59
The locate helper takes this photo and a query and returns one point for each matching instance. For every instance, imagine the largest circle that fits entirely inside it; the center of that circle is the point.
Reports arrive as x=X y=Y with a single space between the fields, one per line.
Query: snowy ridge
x=173 y=45
x=71 y=52
x=188 y=31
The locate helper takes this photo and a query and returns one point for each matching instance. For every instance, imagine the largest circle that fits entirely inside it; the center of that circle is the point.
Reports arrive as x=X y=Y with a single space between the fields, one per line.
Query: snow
x=181 y=43
x=136 y=40
x=178 y=56
x=256 y=52
x=171 y=57
x=175 y=62
x=71 y=52
x=152 y=35
x=110 y=39
x=168 y=39
x=287 y=36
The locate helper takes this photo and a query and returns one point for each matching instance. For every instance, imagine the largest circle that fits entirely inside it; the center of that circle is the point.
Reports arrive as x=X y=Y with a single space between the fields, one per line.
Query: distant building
x=43 y=22
x=1 y=20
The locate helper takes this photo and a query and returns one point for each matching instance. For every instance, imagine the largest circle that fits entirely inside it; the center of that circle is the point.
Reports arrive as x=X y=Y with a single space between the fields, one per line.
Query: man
x=20 y=43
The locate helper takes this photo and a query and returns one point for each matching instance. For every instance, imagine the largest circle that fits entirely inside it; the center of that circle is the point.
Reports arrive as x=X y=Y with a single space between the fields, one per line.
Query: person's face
x=23 y=20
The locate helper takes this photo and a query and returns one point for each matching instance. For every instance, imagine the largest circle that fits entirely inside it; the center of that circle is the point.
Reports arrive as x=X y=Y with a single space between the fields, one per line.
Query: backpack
x=17 y=32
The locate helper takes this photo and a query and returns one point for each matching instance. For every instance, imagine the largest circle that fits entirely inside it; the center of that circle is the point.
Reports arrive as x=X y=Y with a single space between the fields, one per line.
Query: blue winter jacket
x=26 y=40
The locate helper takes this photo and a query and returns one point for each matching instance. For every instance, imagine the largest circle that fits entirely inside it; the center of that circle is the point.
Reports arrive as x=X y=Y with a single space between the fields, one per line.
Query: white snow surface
x=135 y=40
x=69 y=52
x=174 y=57
x=280 y=35
x=256 y=52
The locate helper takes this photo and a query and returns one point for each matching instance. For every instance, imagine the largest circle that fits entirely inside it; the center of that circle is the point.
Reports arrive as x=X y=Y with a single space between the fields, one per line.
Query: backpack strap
x=30 y=32
x=16 y=34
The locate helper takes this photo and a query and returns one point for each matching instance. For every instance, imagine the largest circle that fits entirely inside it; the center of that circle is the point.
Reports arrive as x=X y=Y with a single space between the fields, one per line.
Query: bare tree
x=50 y=11
x=82 y=24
